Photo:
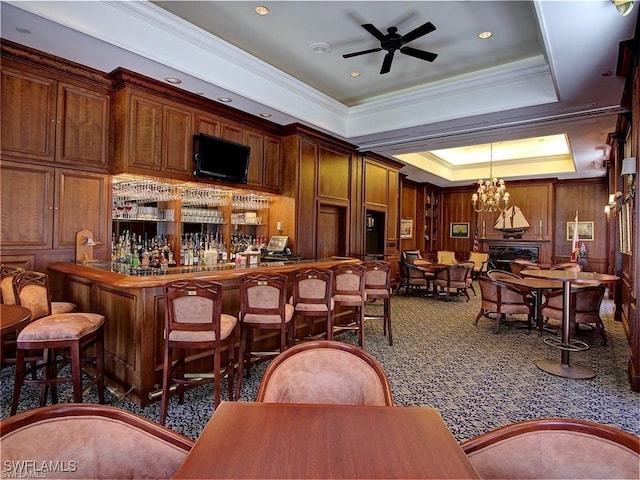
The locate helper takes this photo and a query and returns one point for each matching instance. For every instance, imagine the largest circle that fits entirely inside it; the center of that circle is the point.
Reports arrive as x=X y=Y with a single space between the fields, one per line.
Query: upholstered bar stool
x=263 y=306
x=313 y=297
x=377 y=286
x=194 y=321
x=349 y=292
x=63 y=338
x=7 y=272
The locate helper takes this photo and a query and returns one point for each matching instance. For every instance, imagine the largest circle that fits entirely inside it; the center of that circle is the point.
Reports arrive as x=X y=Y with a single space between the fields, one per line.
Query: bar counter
x=133 y=307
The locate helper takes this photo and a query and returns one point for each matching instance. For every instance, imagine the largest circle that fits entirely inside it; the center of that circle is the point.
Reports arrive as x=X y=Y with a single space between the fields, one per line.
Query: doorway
x=374 y=233
x=332 y=232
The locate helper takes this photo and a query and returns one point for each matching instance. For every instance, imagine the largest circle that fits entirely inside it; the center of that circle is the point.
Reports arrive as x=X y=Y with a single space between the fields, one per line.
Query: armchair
x=480 y=263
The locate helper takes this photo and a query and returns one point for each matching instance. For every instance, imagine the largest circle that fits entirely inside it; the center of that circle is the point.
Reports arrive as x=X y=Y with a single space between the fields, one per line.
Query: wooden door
x=82 y=201
x=27 y=199
x=177 y=140
x=82 y=128
x=28 y=115
x=331 y=231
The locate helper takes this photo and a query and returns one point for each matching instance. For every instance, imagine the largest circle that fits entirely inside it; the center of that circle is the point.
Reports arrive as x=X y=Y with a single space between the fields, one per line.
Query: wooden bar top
x=274 y=440
x=103 y=272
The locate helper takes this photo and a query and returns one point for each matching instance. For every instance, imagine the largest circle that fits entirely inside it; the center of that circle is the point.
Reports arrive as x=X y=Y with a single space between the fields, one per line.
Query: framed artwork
x=459 y=229
x=585 y=231
x=406 y=228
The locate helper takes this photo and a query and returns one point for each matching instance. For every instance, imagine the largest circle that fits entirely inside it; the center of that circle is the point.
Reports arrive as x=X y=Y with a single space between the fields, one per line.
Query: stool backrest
x=31 y=290
x=193 y=306
x=264 y=294
x=377 y=275
x=312 y=286
x=7 y=272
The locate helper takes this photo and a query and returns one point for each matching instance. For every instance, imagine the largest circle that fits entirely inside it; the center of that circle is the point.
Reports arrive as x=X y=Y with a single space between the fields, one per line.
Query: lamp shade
x=628 y=166
x=624 y=7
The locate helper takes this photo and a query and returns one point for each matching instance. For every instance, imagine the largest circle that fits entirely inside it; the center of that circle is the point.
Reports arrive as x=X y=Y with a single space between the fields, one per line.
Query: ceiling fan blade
x=355 y=54
x=418 y=32
x=374 y=31
x=386 y=63
x=421 y=54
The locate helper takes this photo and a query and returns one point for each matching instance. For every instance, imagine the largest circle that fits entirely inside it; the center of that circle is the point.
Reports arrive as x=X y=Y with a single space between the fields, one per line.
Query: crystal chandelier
x=492 y=195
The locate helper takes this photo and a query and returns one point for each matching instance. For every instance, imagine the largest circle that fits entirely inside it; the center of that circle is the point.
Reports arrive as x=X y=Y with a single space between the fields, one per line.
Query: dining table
x=279 y=440
x=564 y=368
x=13 y=318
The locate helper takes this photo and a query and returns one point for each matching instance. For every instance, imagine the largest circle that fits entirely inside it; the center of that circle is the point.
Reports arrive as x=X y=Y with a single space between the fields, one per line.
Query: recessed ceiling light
x=224 y=99
x=264 y=115
x=354 y=74
x=173 y=80
x=485 y=35
x=262 y=10
x=26 y=31
x=320 y=48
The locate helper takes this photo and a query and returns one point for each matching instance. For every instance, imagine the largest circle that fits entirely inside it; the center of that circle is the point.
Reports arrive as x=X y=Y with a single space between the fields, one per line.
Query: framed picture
x=459 y=229
x=585 y=231
x=406 y=228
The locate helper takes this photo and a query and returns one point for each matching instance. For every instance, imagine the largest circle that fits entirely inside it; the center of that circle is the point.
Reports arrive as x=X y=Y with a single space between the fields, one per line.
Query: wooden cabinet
x=152 y=136
x=44 y=207
x=47 y=120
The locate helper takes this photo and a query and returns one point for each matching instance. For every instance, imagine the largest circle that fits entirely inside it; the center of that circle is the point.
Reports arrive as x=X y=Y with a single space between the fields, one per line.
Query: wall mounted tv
x=220 y=159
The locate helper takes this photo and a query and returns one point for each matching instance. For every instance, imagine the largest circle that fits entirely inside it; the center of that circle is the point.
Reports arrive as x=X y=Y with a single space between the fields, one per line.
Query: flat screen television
x=220 y=159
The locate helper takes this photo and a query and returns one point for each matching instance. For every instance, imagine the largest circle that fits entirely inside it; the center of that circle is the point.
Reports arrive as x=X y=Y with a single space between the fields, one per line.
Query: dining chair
x=555 y=448
x=325 y=372
x=89 y=441
x=502 y=300
x=584 y=307
x=414 y=278
x=377 y=286
x=263 y=306
x=194 y=321
x=349 y=295
x=313 y=298
x=519 y=264
x=570 y=266
x=63 y=338
x=454 y=278
x=446 y=257
x=480 y=263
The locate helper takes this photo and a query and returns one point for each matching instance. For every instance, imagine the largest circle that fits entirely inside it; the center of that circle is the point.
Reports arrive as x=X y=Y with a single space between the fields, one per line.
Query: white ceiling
x=540 y=74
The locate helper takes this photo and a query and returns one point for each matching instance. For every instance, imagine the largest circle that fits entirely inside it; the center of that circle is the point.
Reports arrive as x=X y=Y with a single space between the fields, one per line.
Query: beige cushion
x=328 y=376
x=312 y=307
x=478 y=259
x=270 y=319
x=446 y=257
x=556 y=454
x=227 y=324
x=61 y=327
x=92 y=447
x=62 y=307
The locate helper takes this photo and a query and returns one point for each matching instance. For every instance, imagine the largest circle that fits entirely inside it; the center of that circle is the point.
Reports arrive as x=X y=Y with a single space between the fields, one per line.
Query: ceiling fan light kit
x=393 y=42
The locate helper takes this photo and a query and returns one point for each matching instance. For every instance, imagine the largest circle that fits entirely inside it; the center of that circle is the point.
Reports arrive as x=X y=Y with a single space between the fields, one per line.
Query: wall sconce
x=624 y=7
x=629 y=170
x=612 y=207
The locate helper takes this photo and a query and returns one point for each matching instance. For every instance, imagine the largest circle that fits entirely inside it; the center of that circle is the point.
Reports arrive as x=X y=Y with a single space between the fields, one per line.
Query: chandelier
x=492 y=195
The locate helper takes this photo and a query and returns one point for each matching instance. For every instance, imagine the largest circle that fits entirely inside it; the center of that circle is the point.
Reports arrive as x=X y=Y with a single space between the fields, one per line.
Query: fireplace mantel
x=503 y=250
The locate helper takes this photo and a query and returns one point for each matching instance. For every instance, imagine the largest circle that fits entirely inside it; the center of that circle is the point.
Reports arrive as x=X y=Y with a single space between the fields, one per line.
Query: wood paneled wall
x=409 y=209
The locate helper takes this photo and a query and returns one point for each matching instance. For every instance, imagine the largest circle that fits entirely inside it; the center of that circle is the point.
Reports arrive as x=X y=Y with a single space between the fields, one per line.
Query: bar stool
x=7 y=272
x=313 y=297
x=348 y=292
x=63 y=338
x=194 y=321
x=263 y=306
x=377 y=286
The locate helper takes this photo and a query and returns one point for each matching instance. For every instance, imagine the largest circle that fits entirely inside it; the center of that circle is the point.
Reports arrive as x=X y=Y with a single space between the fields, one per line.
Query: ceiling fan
x=393 y=41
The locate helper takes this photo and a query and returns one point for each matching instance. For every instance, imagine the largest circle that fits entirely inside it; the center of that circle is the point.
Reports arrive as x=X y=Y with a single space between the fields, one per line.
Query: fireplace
x=500 y=256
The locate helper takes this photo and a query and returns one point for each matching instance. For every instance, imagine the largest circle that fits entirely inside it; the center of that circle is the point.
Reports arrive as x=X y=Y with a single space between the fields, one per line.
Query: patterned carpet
x=476 y=379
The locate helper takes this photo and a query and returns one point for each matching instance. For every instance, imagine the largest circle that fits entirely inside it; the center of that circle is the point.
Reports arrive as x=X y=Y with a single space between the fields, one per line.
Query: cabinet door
x=208 y=125
x=82 y=202
x=177 y=140
x=255 y=141
x=145 y=127
x=271 y=166
x=28 y=115
x=231 y=133
x=83 y=127
x=27 y=206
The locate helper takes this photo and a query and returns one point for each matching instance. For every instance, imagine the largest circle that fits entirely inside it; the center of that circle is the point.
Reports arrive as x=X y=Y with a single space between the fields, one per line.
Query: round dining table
x=564 y=368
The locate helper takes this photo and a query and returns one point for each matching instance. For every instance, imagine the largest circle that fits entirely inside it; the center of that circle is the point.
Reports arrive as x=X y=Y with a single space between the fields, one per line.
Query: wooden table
x=564 y=368
x=13 y=318
x=271 y=440
x=536 y=287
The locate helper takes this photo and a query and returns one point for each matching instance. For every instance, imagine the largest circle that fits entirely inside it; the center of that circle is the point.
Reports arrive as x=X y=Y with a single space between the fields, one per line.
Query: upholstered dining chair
x=502 y=300
x=90 y=441
x=326 y=372
x=69 y=334
x=454 y=278
x=570 y=266
x=584 y=307
x=313 y=298
x=194 y=321
x=480 y=263
x=377 y=286
x=349 y=294
x=555 y=448
x=446 y=257
x=414 y=278
x=519 y=264
x=263 y=306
